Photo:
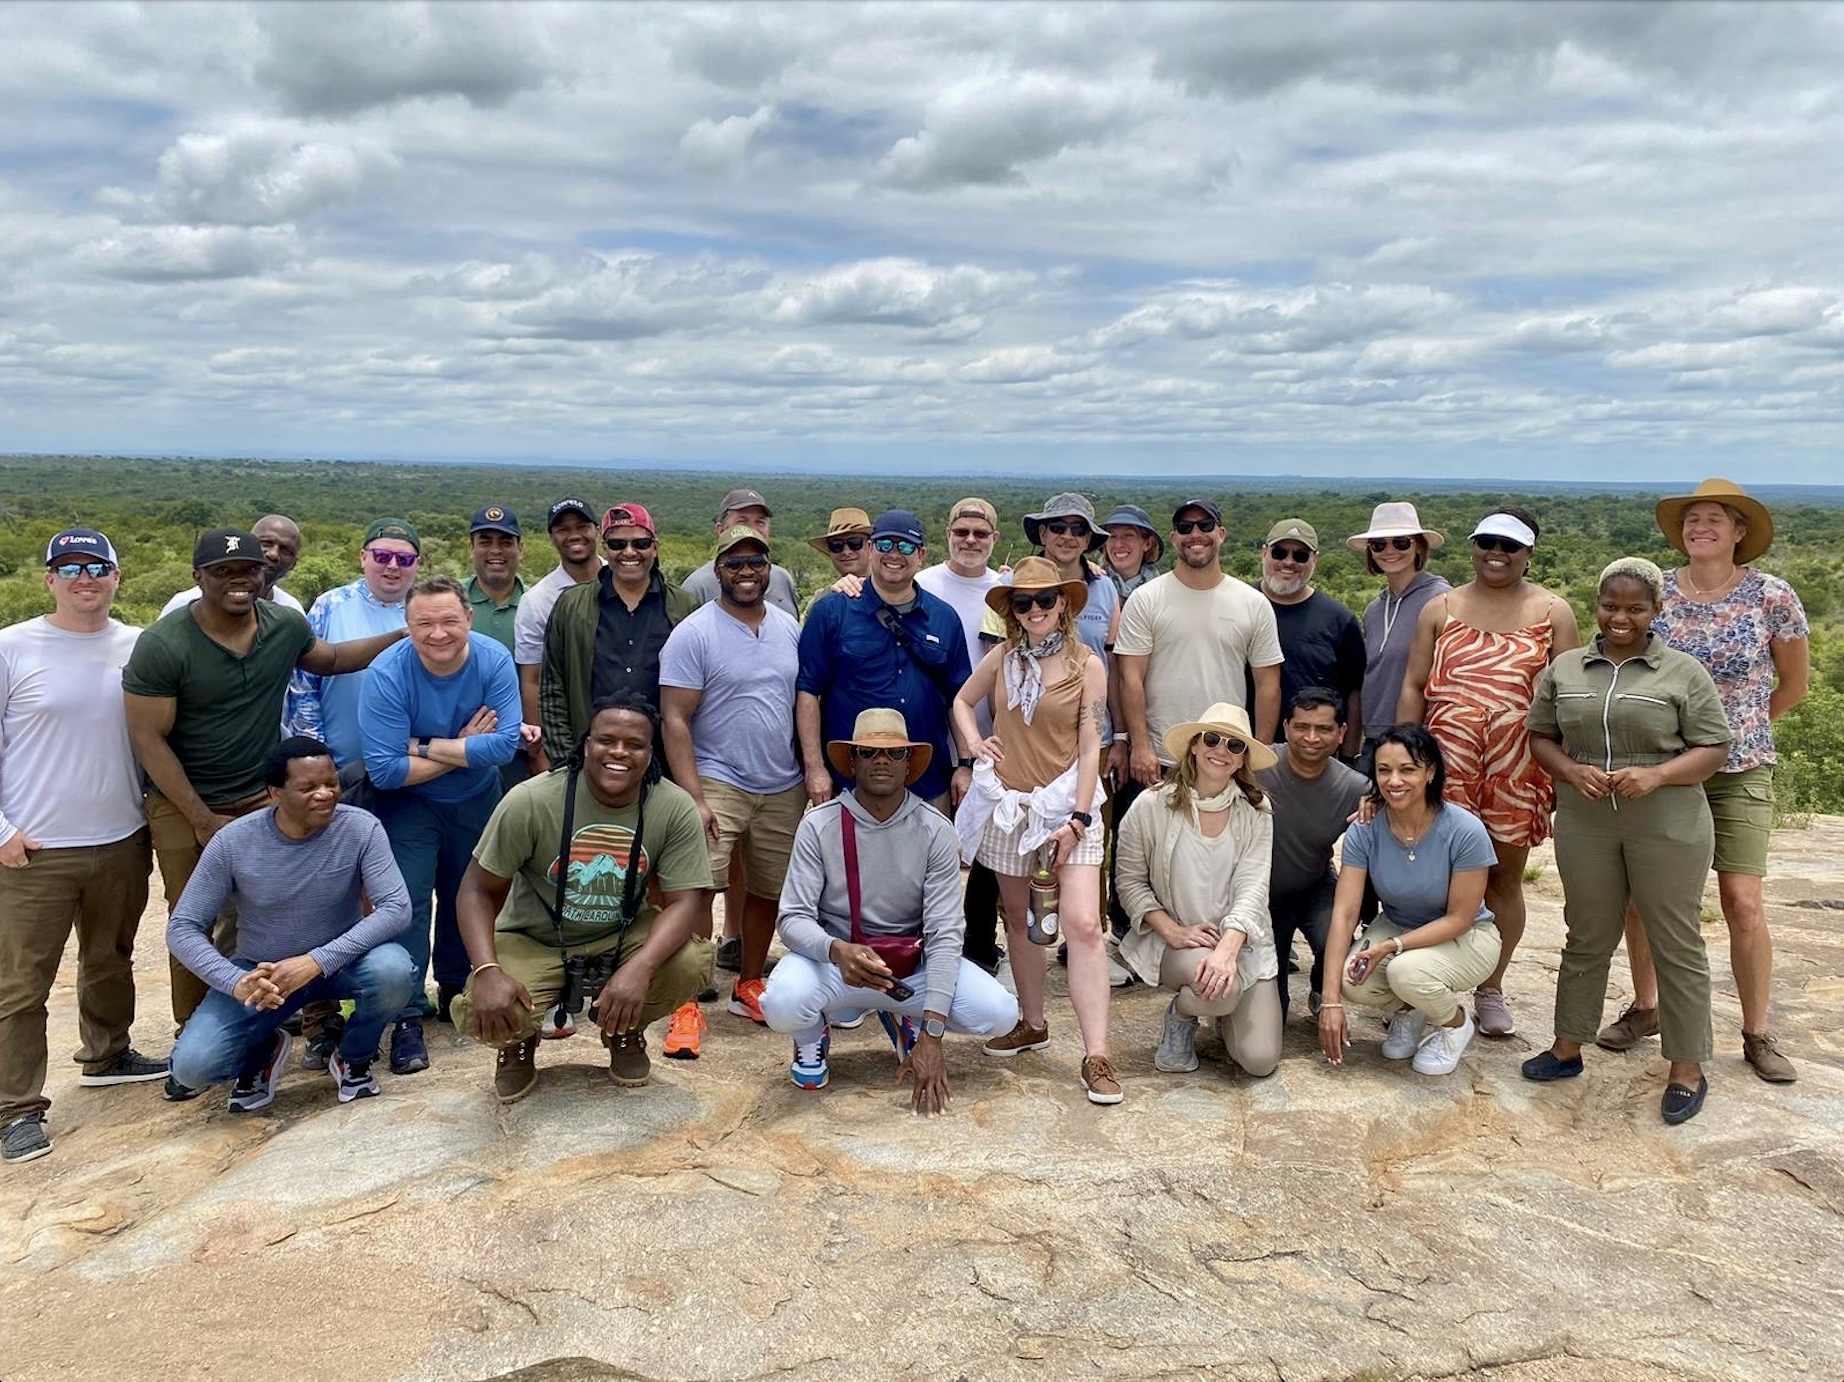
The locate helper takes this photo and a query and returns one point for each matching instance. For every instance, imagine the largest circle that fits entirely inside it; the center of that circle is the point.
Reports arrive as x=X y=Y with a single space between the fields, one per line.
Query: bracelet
x=490 y=964
x=1324 y=1006
x=1398 y=941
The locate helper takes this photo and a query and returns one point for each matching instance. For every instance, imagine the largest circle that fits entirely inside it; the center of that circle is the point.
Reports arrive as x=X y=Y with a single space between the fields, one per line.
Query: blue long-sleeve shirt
x=327 y=707
x=403 y=700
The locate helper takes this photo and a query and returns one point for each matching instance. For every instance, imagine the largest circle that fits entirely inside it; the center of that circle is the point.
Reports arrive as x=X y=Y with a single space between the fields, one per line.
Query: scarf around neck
x=1024 y=674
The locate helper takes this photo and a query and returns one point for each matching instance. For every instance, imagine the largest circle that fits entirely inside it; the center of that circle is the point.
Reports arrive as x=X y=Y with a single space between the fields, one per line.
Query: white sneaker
x=845 y=1021
x=1439 y=1052
x=1405 y=1030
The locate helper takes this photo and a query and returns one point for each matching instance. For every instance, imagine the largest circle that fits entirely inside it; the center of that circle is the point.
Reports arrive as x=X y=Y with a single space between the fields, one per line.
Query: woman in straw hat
x=1749 y=631
x=1396 y=547
x=1035 y=793
x=1193 y=859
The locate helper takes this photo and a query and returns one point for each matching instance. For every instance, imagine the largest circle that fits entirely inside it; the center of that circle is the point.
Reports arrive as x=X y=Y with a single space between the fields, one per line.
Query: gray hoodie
x=1389 y=629
x=909 y=882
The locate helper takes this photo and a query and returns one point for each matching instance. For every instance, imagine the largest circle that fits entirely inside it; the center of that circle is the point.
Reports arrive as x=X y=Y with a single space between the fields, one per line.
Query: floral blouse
x=1733 y=638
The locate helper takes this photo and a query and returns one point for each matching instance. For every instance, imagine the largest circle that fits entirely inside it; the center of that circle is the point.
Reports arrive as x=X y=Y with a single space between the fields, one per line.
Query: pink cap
x=629 y=516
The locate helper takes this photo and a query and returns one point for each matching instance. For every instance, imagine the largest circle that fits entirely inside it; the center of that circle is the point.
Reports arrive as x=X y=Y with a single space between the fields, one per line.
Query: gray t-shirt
x=1309 y=816
x=781 y=592
x=1414 y=891
x=743 y=731
x=1389 y=629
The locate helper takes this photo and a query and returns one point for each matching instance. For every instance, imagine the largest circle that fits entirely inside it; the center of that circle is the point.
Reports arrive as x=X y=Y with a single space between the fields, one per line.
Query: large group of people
x=1163 y=776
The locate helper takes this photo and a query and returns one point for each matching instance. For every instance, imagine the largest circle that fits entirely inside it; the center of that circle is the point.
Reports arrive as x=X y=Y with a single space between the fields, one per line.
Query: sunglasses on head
x=70 y=570
x=864 y=753
x=1186 y=526
x=896 y=544
x=971 y=534
x=1212 y=739
x=735 y=564
x=621 y=544
x=836 y=545
x=1383 y=544
x=1023 y=603
x=1508 y=545
x=1299 y=556
x=1063 y=527
x=402 y=560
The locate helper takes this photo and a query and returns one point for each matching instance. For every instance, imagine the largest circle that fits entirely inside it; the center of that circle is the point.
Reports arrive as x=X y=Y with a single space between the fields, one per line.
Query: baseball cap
x=495 y=518
x=628 y=515
x=564 y=507
x=1296 y=528
x=87 y=543
x=222 y=545
x=899 y=523
x=974 y=507
x=743 y=499
x=398 y=529
x=736 y=536
x=1209 y=506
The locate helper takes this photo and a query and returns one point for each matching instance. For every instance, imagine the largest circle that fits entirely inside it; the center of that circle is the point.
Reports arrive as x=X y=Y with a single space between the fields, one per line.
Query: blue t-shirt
x=743 y=731
x=403 y=701
x=1415 y=893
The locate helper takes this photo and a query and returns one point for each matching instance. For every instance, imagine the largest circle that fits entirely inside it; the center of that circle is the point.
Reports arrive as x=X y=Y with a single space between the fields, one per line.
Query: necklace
x=1409 y=844
x=1735 y=574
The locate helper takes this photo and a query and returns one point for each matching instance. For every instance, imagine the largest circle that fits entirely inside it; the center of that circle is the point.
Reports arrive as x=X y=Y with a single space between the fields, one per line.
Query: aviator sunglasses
x=1043 y=599
x=403 y=561
x=1383 y=544
x=1508 y=545
x=1212 y=739
x=836 y=545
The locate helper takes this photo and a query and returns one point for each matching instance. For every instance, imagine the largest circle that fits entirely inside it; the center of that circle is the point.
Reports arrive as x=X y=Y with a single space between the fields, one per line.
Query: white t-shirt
x=1198 y=646
x=968 y=596
x=68 y=777
x=186 y=597
x=534 y=615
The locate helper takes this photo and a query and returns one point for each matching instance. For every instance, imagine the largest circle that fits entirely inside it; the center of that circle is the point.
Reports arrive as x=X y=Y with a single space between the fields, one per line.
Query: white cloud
x=262 y=176
x=159 y=254
x=988 y=131
x=719 y=146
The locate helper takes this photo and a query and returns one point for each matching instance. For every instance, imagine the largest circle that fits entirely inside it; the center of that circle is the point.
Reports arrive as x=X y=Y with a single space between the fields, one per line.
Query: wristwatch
x=422 y=748
x=935 y=1027
x=964 y=763
x=1087 y=820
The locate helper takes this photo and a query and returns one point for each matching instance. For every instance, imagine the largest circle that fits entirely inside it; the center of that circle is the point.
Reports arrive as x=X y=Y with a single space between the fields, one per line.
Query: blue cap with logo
x=495 y=518
x=899 y=523
x=81 y=544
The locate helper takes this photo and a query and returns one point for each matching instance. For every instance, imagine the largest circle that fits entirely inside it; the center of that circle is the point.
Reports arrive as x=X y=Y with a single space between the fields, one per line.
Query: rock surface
x=1322 y=1224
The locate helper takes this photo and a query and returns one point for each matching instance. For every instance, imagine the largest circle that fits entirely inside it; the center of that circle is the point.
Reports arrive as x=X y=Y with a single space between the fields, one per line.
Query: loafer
x=1680 y=1104
x=1546 y=1066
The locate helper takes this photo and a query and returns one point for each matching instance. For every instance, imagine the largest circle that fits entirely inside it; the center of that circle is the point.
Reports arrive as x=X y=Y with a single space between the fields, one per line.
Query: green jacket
x=568 y=673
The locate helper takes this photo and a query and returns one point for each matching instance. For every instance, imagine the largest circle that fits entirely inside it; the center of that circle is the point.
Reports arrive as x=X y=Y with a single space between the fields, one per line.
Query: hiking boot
x=130 y=1067
x=1177 y=1053
x=1764 y=1055
x=1405 y=1029
x=1628 y=1030
x=746 y=1000
x=1099 y=1082
x=902 y=1034
x=24 y=1139
x=628 y=1065
x=409 y=1053
x=1020 y=1038
x=256 y=1089
x=323 y=1042
x=1439 y=1052
x=730 y=953
x=515 y=1073
x=353 y=1079
x=1494 y=1013
x=809 y=1068
x=559 y=1024
x=685 y=1032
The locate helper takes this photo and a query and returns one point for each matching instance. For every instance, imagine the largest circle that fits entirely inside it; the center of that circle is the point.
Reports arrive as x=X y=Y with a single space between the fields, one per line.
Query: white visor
x=1504 y=525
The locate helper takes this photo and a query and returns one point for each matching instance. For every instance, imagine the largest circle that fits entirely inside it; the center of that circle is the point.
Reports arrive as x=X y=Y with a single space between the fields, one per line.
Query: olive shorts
x=1742 y=805
x=760 y=826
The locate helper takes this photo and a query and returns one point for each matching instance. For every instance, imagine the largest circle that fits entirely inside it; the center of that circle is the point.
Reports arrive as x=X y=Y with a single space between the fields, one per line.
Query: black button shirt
x=628 y=642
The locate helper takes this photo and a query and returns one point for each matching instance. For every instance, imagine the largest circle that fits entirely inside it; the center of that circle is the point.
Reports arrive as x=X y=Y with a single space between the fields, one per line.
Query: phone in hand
x=1358 y=968
x=900 y=991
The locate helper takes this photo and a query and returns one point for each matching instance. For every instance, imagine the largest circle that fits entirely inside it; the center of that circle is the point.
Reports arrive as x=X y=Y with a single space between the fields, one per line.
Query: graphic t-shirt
x=521 y=843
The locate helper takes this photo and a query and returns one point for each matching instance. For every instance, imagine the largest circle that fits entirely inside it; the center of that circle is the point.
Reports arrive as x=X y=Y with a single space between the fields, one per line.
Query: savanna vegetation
x=154 y=509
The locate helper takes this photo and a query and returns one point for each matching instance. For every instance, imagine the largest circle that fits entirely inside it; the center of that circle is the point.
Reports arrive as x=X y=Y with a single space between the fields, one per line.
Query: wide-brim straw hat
x=1037 y=573
x=843 y=523
x=1066 y=505
x=880 y=729
x=1754 y=513
x=1224 y=718
x=1395 y=520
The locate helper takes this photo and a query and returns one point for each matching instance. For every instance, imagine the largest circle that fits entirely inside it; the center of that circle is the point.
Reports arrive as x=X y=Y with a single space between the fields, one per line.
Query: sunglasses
x=1299 y=556
x=1186 y=527
x=970 y=534
x=736 y=564
x=401 y=560
x=1043 y=599
x=1212 y=740
x=70 y=570
x=836 y=545
x=1488 y=543
x=1064 y=527
x=897 y=544
x=621 y=544
x=1383 y=544
x=864 y=753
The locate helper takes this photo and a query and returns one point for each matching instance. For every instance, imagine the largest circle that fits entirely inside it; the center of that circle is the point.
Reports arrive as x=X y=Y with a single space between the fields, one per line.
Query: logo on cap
x=495 y=514
x=231 y=543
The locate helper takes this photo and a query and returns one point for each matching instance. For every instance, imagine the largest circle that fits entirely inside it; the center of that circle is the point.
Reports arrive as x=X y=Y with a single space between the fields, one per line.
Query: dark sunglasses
x=735 y=564
x=1488 y=543
x=970 y=534
x=403 y=561
x=621 y=544
x=1185 y=527
x=1299 y=556
x=896 y=544
x=1212 y=739
x=1063 y=527
x=1383 y=544
x=70 y=570
x=864 y=753
x=1023 y=603
x=836 y=545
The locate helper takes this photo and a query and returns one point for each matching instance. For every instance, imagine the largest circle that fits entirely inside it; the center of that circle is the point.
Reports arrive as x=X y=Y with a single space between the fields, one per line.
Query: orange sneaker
x=746 y=1000
x=684 y=1032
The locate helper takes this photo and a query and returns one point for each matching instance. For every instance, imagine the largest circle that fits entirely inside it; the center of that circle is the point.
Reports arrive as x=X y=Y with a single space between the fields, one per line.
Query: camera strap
x=630 y=884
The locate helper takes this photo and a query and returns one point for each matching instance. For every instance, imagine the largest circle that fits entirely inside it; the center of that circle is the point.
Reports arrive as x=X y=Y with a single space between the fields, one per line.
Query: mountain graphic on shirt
x=599 y=859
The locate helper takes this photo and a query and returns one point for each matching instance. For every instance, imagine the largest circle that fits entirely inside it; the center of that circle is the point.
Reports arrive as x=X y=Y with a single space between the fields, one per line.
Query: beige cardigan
x=1143 y=875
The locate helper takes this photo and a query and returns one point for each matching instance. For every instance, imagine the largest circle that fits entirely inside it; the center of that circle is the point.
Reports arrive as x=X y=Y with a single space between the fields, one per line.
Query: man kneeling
x=554 y=911
x=875 y=870
x=301 y=872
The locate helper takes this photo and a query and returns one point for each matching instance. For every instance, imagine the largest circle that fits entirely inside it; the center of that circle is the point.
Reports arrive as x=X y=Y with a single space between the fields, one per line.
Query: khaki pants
x=102 y=889
x=1430 y=979
x=1248 y=1020
x=178 y=850
x=538 y=964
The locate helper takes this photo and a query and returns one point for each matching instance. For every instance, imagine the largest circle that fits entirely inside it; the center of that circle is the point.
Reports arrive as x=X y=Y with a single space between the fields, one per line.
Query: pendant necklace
x=1735 y=574
x=1409 y=845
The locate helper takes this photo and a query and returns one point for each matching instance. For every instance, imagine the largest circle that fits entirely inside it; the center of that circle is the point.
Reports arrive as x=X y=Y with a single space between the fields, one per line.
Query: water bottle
x=1040 y=922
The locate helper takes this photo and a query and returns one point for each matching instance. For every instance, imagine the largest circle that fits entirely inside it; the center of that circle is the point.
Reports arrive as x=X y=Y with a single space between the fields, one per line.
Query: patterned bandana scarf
x=1024 y=674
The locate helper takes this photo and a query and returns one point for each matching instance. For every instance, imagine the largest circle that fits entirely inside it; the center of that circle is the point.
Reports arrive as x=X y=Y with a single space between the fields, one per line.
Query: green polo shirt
x=490 y=617
x=1638 y=713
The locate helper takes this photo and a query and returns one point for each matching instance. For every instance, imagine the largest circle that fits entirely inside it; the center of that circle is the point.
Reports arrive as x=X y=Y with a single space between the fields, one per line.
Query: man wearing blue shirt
x=897 y=647
x=439 y=717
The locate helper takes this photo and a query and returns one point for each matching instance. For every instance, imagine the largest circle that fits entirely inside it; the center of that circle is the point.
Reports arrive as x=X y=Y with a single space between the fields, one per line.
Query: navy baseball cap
x=82 y=543
x=1209 y=506
x=495 y=518
x=565 y=507
x=899 y=523
x=222 y=545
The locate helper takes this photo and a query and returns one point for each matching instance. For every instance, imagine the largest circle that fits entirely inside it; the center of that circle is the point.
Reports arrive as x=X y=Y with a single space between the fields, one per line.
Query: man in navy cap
x=745 y=508
x=573 y=529
x=496 y=546
x=896 y=647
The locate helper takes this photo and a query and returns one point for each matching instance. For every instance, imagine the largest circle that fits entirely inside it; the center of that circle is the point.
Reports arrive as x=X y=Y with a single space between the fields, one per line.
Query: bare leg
x=1504 y=895
x=1751 y=949
x=1027 y=960
x=1079 y=911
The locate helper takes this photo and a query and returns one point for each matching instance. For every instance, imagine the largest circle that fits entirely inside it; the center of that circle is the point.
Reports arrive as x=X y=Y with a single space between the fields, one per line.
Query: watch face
x=934 y=1028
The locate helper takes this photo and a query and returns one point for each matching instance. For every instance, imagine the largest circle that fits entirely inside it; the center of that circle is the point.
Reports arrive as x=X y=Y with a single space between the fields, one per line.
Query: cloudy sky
x=1559 y=241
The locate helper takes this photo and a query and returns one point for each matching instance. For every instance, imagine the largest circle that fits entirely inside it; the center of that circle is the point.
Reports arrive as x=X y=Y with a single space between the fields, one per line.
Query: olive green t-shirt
x=521 y=841
x=229 y=714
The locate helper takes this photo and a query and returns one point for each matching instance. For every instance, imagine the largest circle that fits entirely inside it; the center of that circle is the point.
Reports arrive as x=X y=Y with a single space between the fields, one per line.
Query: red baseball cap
x=628 y=515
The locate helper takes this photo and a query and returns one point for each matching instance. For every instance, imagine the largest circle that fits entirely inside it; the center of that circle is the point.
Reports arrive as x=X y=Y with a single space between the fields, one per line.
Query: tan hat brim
x=999 y=598
x=1178 y=741
x=839 y=754
x=1358 y=541
x=1670 y=515
x=818 y=544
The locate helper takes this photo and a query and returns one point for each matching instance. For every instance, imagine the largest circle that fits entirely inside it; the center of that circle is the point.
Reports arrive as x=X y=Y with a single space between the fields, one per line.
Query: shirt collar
x=477 y=593
x=1653 y=654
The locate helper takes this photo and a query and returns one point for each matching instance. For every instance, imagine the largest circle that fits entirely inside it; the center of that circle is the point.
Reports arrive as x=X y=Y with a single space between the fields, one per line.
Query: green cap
x=398 y=528
x=738 y=534
x=1296 y=528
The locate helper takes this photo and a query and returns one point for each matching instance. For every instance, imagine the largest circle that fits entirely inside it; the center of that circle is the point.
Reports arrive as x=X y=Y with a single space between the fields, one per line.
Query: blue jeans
x=223 y=1039
x=433 y=841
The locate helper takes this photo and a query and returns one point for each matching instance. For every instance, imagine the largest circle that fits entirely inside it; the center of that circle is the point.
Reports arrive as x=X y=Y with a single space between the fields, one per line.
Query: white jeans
x=800 y=993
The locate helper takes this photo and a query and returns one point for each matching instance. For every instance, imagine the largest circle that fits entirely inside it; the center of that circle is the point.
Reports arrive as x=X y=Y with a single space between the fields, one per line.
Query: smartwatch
x=422 y=748
x=964 y=763
x=935 y=1027
x=1087 y=820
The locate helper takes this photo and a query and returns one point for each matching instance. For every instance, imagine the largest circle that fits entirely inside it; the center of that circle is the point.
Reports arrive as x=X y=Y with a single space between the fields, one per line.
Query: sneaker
x=846 y=1021
x=628 y=1065
x=685 y=1033
x=559 y=1024
x=1177 y=1053
x=354 y=1079
x=1439 y=1052
x=730 y=953
x=318 y=1051
x=902 y=1033
x=24 y=1139
x=1764 y=1055
x=1099 y=1082
x=1020 y=1038
x=256 y=1090
x=1119 y=976
x=708 y=994
x=809 y=1068
x=176 y=1093
x=1628 y=1030
x=1494 y=1013
x=515 y=1074
x=130 y=1067
x=1405 y=1029
x=746 y=1000
x=409 y=1052
x=445 y=1000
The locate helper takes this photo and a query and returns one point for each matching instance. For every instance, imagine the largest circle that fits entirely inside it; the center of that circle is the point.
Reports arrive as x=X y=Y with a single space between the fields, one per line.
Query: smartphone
x=1358 y=968
x=900 y=991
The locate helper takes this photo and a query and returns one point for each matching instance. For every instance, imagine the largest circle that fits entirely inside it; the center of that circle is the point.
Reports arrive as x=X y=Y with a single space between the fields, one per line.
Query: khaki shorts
x=765 y=825
x=1742 y=805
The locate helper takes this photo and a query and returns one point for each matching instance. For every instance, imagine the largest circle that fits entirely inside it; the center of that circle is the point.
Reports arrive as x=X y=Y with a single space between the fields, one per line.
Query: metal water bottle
x=1041 y=923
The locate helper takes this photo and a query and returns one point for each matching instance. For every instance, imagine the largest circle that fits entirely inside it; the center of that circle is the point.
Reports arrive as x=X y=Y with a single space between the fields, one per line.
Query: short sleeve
x=1470 y=846
x=1542 y=717
x=682 y=862
x=1355 y=853
x=1786 y=616
x=682 y=660
x=153 y=669
x=1264 y=637
x=1134 y=636
x=292 y=625
x=509 y=842
x=992 y=625
x=817 y=637
x=1705 y=724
